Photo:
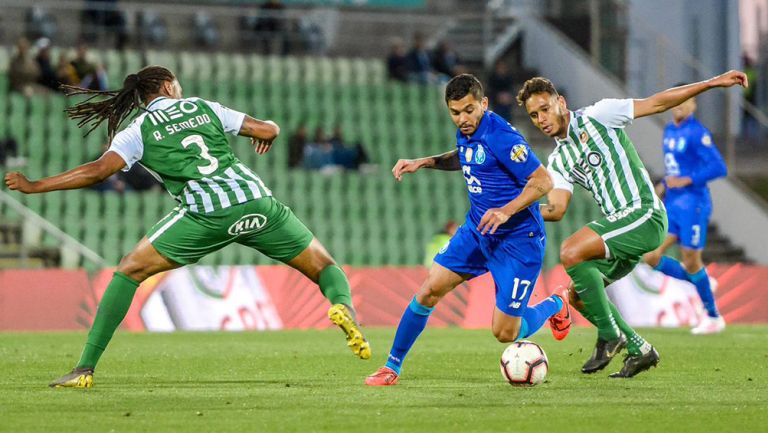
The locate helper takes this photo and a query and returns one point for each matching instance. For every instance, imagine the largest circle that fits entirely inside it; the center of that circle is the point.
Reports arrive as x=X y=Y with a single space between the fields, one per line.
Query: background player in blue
x=503 y=232
x=691 y=160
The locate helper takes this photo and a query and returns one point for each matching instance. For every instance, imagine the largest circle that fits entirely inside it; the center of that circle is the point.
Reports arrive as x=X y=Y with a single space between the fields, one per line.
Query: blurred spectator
x=439 y=241
x=138 y=178
x=397 y=62
x=318 y=153
x=65 y=72
x=500 y=84
x=90 y=75
x=40 y=23
x=48 y=76
x=101 y=18
x=8 y=151
x=445 y=61
x=419 y=63
x=23 y=71
x=271 y=27
x=349 y=157
x=296 y=147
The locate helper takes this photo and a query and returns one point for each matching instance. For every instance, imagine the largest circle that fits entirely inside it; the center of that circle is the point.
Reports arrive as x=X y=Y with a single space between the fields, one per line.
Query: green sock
x=111 y=311
x=588 y=282
x=636 y=345
x=335 y=286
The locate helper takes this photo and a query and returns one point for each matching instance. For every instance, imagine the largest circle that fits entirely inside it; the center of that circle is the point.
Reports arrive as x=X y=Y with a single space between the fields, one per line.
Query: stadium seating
x=364 y=219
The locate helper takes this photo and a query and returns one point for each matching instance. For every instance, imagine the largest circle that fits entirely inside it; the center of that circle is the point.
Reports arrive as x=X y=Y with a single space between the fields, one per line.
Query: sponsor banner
x=277 y=297
x=45 y=299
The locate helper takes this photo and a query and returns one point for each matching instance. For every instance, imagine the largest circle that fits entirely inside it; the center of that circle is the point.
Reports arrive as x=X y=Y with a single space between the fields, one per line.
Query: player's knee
x=429 y=296
x=692 y=266
x=131 y=268
x=652 y=259
x=506 y=334
x=569 y=256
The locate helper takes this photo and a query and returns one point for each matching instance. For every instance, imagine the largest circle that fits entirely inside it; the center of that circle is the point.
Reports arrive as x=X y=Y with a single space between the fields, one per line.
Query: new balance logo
x=515 y=305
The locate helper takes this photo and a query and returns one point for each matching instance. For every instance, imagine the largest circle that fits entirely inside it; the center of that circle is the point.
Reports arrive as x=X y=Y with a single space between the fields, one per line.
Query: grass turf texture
x=308 y=381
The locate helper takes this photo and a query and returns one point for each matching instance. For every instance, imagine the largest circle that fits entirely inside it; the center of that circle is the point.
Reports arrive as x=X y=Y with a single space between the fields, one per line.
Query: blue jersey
x=690 y=152
x=496 y=161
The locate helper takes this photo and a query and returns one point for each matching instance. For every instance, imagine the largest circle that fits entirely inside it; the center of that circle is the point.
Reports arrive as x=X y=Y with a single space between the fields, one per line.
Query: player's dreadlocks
x=120 y=103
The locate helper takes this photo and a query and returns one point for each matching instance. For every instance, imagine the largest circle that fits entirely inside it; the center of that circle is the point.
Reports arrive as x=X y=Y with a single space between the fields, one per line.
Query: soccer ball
x=524 y=363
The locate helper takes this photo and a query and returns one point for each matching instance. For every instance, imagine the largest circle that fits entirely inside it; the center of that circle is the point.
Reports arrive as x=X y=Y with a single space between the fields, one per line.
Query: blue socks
x=414 y=321
x=671 y=267
x=700 y=279
x=534 y=317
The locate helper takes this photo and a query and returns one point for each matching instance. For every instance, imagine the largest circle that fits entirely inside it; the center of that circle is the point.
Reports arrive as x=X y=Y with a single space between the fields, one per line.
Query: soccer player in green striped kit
x=221 y=201
x=593 y=150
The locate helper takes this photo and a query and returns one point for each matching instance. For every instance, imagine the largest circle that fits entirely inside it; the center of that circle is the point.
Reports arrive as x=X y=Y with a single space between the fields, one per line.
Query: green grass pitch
x=306 y=381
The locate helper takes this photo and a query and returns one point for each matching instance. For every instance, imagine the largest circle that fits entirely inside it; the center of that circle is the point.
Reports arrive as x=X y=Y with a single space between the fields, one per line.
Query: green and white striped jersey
x=183 y=143
x=598 y=155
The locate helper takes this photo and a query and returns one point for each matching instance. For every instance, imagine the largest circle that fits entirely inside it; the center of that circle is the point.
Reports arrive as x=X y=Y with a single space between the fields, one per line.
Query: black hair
x=462 y=85
x=120 y=103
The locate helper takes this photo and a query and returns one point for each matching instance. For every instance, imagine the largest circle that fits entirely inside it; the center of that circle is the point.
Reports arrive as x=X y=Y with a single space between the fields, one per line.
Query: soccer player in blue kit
x=691 y=160
x=503 y=232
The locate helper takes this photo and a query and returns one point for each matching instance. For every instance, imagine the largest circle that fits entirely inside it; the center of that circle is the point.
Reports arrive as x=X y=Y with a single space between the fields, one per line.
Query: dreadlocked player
x=220 y=199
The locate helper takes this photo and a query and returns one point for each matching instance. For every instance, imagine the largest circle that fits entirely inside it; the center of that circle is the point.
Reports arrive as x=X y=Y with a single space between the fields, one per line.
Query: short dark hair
x=462 y=85
x=533 y=86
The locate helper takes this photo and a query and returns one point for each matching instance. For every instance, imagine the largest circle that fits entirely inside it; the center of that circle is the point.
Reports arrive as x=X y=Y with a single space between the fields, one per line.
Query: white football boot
x=709 y=325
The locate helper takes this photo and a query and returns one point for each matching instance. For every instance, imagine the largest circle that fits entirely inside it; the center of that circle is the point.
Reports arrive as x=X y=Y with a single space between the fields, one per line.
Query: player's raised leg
x=439 y=282
x=143 y=262
x=577 y=254
x=317 y=265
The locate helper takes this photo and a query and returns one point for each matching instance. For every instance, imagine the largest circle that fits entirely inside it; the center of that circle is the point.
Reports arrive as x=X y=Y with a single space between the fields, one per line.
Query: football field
x=305 y=381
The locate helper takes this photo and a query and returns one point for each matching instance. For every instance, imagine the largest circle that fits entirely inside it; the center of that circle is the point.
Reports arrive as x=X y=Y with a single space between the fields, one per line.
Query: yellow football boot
x=342 y=317
x=77 y=378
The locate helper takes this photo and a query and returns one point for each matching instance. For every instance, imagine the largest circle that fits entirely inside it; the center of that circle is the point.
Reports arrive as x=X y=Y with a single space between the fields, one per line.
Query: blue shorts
x=514 y=263
x=688 y=220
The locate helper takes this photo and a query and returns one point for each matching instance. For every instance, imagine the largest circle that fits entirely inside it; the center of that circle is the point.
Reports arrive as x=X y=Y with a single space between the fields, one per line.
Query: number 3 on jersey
x=198 y=140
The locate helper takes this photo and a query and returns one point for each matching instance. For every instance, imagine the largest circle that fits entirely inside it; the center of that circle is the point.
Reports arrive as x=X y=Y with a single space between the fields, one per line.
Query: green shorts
x=628 y=235
x=264 y=224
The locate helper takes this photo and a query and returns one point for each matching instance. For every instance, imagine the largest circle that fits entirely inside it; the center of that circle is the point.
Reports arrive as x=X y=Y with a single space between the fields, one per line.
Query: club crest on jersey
x=248 y=224
x=706 y=140
x=583 y=137
x=519 y=153
x=480 y=154
x=468 y=155
x=594 y=159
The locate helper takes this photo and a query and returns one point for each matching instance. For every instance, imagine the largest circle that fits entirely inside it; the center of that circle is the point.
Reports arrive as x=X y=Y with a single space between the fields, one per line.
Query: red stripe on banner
x=60 y=299
x=45 y=299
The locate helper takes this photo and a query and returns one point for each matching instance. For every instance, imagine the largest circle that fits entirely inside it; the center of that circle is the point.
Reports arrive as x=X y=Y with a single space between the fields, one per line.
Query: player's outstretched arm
x=261 y=132
x=557 y=204
x=445 y=161
x=663 y=101
x=80 y=177
x=538 y=185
